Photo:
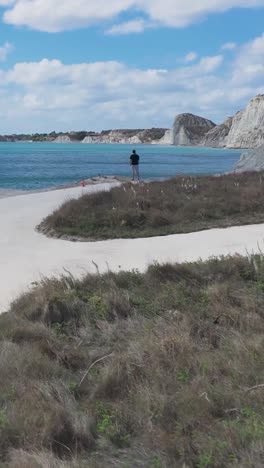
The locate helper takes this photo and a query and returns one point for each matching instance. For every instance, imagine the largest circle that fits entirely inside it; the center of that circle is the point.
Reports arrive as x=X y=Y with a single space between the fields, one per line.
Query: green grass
x=136 y=370
x=182 y=204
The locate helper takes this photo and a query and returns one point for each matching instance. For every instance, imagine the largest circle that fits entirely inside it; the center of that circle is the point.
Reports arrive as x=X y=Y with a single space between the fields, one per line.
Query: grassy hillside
x=162 y=369
x=182 y=204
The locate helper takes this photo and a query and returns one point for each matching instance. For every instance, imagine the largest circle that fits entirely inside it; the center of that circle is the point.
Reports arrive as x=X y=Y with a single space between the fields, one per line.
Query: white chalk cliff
x=115 y=136
x=189 y=129
x=132 y=137
x=217 y=137
x=63 y=139
x=244 y=130
x=251 y=160
x=247 y=130
x=167 y=139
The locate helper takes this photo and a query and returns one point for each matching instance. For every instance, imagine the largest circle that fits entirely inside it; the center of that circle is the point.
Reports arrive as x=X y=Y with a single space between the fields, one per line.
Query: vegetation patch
x=182 y=204
x=162 y=369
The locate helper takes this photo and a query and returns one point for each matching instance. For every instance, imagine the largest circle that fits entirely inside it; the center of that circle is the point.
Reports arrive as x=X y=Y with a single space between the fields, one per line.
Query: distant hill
x=189 y=129
x=133 y=136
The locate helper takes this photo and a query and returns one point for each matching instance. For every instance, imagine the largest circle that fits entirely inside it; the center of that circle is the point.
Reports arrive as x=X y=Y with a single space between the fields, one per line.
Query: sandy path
x=26 y=256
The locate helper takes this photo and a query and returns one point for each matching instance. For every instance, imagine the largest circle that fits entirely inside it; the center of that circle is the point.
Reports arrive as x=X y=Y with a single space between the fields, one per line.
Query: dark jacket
x=134 y=158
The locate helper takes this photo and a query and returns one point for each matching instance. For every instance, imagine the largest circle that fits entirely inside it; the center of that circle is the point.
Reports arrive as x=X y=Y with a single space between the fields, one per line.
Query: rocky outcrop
x=247 y=130
x=244 y=130
x=87 y=140
x=251 y=160
x=157 y=136
x=63 y=139
x=131 y=137
x=189 y=129
x=112 y=137
x=217 y=137
x=167 y=139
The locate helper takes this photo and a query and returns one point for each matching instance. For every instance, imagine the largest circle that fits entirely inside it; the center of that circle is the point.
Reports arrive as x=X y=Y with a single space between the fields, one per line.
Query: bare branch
x=91 y=366
x=256 y=387
x=63 y=445
x=231 y=410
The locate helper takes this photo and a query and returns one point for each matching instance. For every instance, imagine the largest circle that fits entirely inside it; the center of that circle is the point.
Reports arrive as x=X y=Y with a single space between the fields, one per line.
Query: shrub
x=182 y=204
x=157 y=369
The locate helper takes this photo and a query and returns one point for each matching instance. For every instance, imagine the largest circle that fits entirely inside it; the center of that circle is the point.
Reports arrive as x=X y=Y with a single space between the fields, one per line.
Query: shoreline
x=27 y=257
x=10 y=193
x=92 y=181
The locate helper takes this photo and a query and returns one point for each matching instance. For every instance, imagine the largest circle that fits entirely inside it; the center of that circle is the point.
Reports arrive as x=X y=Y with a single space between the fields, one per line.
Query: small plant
x=184 y=376
x=73 y=386
x=58 y=328
x=156 y=462
x=97 y=307
x=205 y=460
x=10 y=394
x=94 y=372
x=204 y=368
x=248 y=412
x=3 y=419
x=108 y=426
x=105 y=424
x=232 y=458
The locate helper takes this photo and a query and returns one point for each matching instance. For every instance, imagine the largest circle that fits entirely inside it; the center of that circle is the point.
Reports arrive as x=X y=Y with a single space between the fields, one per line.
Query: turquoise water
x=30 y=166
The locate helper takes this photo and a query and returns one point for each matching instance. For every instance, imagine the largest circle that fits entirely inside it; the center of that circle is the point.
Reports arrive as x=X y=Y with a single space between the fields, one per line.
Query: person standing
x=134 y=163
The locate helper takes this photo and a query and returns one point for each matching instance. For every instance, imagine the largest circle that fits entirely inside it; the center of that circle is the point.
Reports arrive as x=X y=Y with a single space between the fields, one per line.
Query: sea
x=37 y=166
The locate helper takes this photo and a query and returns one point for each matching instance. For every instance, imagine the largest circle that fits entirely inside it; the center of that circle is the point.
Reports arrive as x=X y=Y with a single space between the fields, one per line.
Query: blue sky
x=124 y=63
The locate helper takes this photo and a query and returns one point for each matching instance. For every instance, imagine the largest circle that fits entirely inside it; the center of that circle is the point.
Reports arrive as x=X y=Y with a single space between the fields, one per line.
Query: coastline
x=28 y=256
x=8 y=193
x=40 y=169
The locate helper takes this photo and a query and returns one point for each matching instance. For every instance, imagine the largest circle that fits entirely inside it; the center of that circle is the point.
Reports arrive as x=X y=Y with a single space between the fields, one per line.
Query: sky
x=70 y=65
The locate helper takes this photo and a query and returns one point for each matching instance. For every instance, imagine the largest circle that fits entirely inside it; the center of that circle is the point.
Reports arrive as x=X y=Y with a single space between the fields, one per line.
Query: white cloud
x=47 y=15
x=249 y=63
x=135 y=26
x=102 y=94
x=229 y=46
x=47 y=95
x=5 y=50
x=190 y=57
x=209 y=64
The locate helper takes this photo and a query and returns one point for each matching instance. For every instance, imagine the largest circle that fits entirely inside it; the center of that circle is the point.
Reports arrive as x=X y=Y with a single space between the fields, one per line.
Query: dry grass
x=160 y=208
x=170 y=355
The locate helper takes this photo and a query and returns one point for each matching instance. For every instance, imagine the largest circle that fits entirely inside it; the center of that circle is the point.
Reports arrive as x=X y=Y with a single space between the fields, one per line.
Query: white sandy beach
x=27 y=256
